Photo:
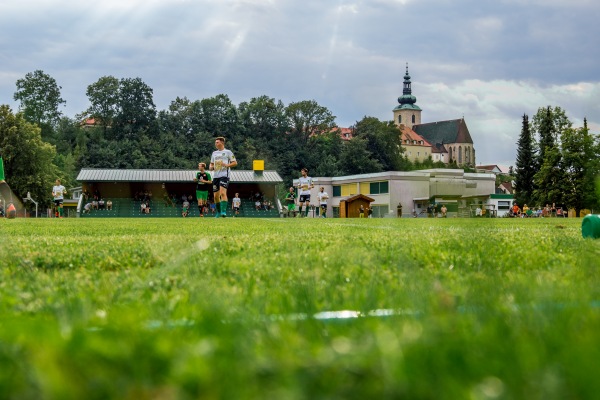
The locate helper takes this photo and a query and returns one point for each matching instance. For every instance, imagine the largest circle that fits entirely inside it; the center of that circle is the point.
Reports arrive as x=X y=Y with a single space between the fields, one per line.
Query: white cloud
x=488 y=61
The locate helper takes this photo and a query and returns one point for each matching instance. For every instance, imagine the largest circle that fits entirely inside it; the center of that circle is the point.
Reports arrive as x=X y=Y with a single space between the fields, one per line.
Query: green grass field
x=252 y=309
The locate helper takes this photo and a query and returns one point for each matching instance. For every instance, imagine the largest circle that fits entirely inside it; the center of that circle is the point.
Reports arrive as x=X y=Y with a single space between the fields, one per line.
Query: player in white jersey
x=236 y=204
x=322 y=196
x=58 y=192
x=220 y=162
x=305 y=183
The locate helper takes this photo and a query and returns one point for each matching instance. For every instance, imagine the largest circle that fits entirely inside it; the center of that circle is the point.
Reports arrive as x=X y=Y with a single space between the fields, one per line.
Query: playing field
x=298 y=309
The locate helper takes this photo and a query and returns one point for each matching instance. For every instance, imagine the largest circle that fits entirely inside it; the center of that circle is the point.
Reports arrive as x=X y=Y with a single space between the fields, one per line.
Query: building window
x=379 y=187
x=503 y=205
x=459 y=154
x=413 y=118
x=337 y=191
x=399 y=119
x=380 y=211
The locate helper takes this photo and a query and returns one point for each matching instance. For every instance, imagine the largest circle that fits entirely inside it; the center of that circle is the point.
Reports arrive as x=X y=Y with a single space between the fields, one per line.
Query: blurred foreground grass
x=448 y=309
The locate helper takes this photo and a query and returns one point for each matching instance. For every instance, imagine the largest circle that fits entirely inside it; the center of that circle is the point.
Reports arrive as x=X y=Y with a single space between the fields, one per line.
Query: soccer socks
x=201 y=210
x=223 y=208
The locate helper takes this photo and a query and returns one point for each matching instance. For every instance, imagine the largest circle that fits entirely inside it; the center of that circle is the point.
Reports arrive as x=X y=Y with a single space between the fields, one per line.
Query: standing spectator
x=322 y=196
x=58 y=192
x=305 y=183
x=236 y=204
x=516 y=210
x=370 y=212
x=361 y=212
x=203 y=182
x=221 y=162
x=444 y=211
x=185 y=209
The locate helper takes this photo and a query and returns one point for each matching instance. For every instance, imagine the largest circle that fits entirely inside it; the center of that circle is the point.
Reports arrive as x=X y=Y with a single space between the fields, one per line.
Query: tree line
x=39 y=143
x=557 y=163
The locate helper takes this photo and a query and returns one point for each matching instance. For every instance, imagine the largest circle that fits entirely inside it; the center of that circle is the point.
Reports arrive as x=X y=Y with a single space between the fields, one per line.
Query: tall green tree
x=383 y=141
x=578 y=163
x=307 y=119
x=357 y=159
x=28 y=160
x=40 y=98
x=525 y=165
x=550 y=177
x=136 y=111
x=104 y=100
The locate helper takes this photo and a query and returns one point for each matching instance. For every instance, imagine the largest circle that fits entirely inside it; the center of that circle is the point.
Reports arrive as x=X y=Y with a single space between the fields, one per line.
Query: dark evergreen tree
x=525 y=166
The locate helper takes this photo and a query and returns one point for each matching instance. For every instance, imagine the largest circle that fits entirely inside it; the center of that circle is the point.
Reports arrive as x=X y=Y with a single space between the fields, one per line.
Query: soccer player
x=236 y=204
x=305 y=183
x=203 y=182
x=221 y=162
x=322 y=196
x=290 y=200
x=58 y=193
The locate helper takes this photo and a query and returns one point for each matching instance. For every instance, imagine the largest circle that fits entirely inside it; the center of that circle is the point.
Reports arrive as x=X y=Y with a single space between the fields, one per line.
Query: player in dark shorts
x=203 y=184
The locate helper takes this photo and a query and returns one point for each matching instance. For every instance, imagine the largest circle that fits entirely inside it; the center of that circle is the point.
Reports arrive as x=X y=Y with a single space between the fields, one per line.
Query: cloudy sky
x=490 y=61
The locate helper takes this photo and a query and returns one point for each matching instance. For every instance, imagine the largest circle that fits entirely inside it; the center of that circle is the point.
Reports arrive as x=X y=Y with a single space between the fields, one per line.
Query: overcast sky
x=490 y=61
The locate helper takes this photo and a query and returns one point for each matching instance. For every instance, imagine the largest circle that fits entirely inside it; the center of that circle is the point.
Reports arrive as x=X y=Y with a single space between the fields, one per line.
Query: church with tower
x=445 y=141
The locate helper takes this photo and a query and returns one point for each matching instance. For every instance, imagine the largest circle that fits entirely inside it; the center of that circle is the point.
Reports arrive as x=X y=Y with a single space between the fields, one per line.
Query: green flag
x=1 y=168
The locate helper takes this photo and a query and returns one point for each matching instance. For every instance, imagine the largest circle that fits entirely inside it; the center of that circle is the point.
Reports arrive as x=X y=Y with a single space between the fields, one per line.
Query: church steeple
x=407 y=97
x=407 y=113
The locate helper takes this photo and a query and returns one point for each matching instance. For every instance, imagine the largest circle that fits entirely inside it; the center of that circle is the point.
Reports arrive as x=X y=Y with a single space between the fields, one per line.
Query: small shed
x=350 y=206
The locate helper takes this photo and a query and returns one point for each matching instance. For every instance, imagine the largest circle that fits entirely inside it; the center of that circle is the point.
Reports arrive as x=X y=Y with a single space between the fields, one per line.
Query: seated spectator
x=257 y=205
x=94 y=204
x=148 y=209
x=266 y=205
x=213 y=208
x=185 y=209
x=109 y=204
x=559 y=212
x=478 y=211
x=184 y=198
x=101 y=204
x=87 y=208
x=143 y=207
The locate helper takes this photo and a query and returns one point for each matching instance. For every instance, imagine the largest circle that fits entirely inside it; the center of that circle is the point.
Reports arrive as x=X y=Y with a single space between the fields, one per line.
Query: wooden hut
x=350 y=206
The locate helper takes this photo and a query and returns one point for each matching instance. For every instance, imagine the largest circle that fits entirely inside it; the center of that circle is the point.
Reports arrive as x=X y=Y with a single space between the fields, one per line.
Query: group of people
x=215 y=180
x=539 y=212
x=305 y=184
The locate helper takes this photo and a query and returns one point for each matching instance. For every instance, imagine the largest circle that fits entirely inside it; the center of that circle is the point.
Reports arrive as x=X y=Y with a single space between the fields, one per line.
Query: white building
x=412 y=190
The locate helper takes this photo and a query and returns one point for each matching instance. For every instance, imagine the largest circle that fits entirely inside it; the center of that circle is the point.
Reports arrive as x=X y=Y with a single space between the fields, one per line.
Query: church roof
x=439 y=148
x=414 y=139
x=453 y=131
x=169 y=175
